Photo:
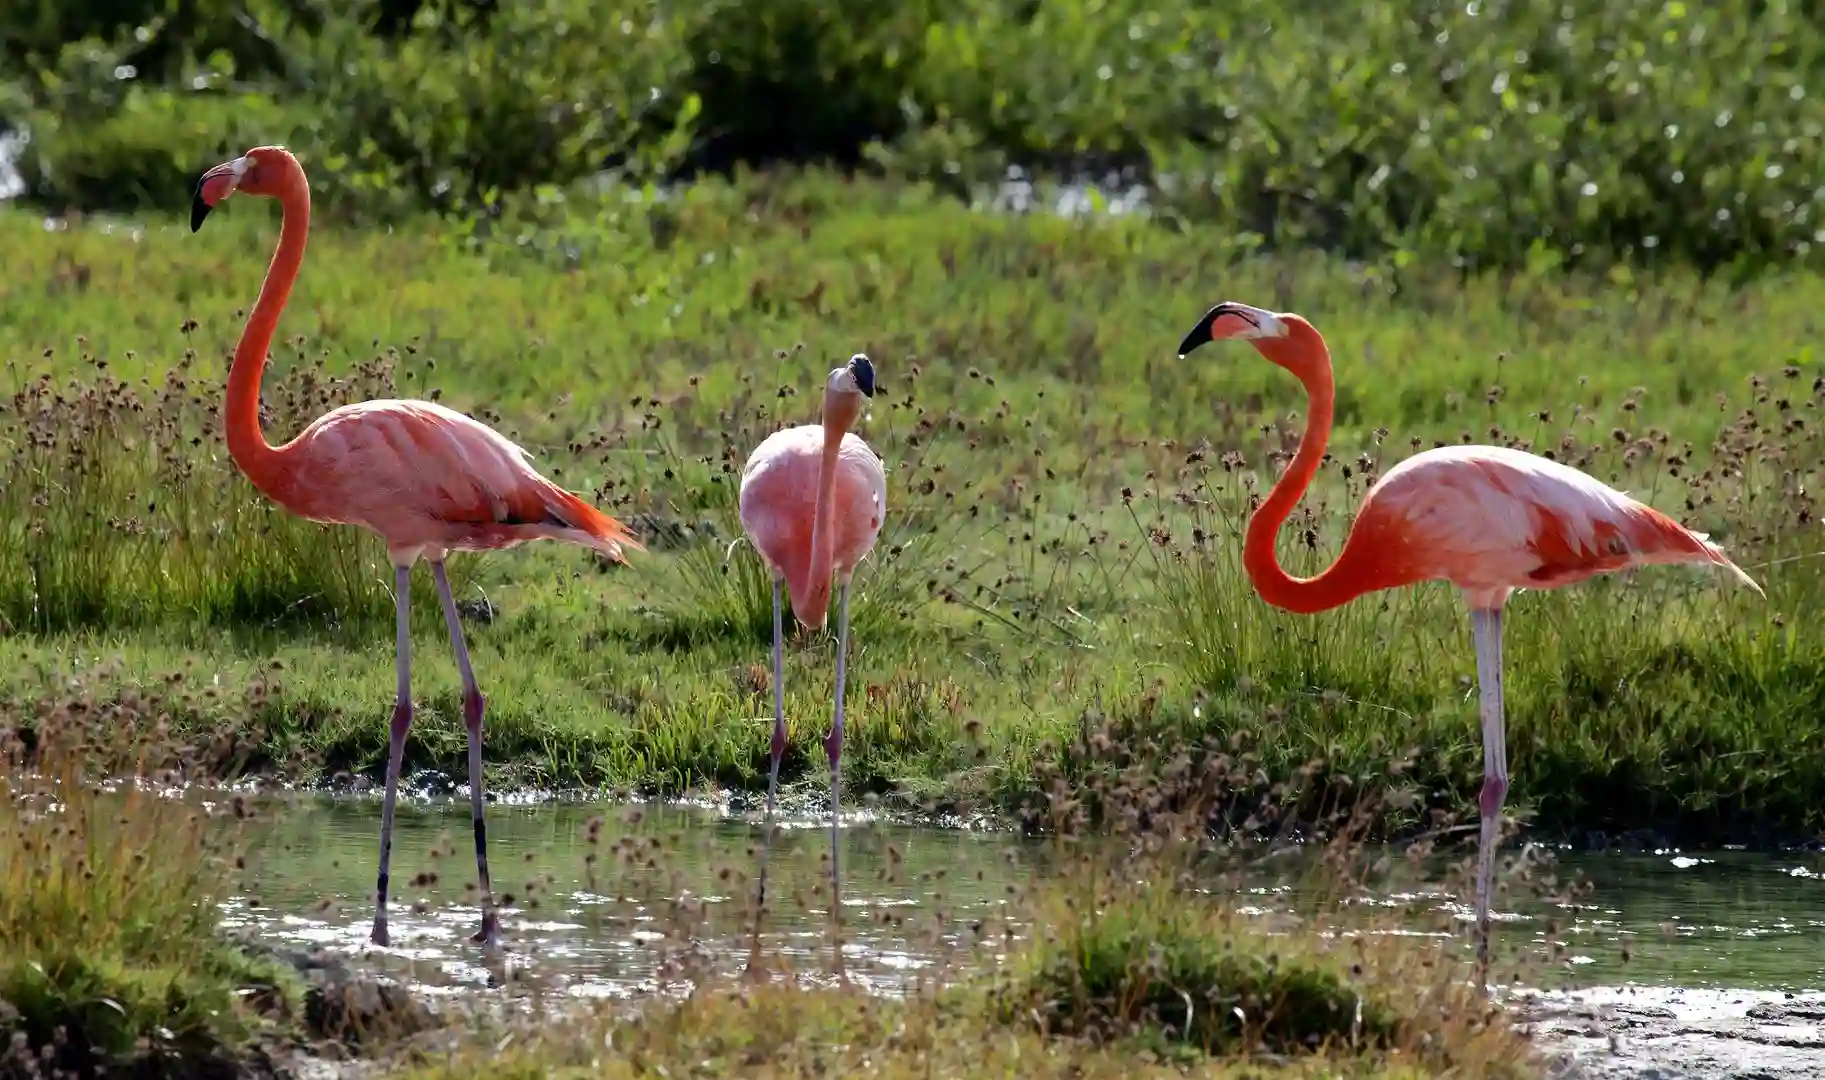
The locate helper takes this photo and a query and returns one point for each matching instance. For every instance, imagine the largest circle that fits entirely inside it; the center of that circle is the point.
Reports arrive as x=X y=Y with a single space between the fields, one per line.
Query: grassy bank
x=108 y=913
x=115 y=962
x=808 y=1034
x=1058 y=588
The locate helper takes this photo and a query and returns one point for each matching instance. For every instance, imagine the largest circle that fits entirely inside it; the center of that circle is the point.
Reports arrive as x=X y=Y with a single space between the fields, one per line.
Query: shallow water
x=920 y=902
x=602 y=926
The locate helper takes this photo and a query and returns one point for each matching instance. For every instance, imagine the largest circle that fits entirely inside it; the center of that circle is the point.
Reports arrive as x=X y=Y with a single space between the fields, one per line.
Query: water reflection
x=1702 y=919
x=598 y=898
x=595 y=897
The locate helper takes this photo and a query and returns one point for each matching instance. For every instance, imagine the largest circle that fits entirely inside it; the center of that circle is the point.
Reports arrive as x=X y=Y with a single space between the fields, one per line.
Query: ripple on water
x=1725 y=922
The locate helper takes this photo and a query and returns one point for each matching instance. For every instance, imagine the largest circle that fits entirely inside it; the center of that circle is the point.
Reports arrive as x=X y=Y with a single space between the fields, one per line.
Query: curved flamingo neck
x=839 y=413
x=1304 y=355
x=246 y=444
x=823 y=519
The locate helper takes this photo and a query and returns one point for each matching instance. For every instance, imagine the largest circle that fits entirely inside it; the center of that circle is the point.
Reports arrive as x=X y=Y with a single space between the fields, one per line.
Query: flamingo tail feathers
x=1715 y=555
x=1667 y=541
x=586 y=525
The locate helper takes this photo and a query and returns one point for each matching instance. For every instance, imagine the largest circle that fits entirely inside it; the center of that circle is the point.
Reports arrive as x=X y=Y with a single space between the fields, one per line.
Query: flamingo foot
x=489 y=936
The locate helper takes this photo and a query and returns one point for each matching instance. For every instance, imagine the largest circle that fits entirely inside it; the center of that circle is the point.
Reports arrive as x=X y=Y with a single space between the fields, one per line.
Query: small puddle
x=598 y=917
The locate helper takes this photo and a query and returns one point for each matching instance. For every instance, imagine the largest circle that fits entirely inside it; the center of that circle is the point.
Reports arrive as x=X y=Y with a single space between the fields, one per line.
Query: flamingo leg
x=490 y=933
x=779 y=700
x=1486 y=631
x=396 y=741
x=834 y=745
x=778 y=750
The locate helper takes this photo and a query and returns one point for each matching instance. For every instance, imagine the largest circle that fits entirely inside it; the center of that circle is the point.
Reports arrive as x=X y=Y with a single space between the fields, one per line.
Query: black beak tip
x=198 y=208
x=863 y=369
x=1200 y=334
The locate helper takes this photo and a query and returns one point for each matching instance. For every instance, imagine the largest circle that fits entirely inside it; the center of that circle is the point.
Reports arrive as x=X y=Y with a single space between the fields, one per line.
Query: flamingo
x=428 y=479
x=812 y=500
x=1486 y=518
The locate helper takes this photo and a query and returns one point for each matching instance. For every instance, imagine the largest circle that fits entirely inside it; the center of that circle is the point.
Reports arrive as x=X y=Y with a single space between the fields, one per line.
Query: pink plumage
x=779 y=486
x=812 y=501
x=1490 y=519
x=430 y=480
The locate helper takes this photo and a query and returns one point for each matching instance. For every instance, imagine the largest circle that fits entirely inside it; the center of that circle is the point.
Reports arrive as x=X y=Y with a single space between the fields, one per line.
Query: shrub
x=150 y=149
x=440 y=113
x=453 y=114
x=805 y=79
x=1502 y=134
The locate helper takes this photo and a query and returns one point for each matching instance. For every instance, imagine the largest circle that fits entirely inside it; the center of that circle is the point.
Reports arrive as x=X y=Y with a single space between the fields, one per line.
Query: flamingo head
x=1285 y=338
x=844 y=391
x=1230 y=320
x=264 y=170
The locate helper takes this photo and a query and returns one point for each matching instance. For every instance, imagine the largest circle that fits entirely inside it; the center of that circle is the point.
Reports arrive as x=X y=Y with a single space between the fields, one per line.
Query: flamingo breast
x=779 y=500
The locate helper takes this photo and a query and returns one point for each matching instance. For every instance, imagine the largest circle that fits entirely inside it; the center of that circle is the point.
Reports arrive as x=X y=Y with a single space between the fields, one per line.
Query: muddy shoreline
x=1680 y=1034
x=1611 y=1033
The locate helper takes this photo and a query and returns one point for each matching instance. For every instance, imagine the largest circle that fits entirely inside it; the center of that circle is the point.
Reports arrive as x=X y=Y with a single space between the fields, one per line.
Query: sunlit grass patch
x=1064 y=510
x=109 y=884
x=1182 y=970
x=804 y=1033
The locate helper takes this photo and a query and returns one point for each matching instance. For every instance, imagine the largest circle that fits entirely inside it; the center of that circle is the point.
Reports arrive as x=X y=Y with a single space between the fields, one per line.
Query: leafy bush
x=150 y=149
x=542 y=93
x=1504 y=133
x=443 y=112
x=806 y=79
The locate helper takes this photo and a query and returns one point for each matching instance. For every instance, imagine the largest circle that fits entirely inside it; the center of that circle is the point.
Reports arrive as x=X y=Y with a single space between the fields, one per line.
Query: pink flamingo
x=1487 y=519
x=812 y=500
x=428 y=479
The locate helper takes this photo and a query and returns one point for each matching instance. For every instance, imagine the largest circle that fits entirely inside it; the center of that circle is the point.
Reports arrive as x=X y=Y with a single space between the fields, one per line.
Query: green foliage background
x=1522 y=134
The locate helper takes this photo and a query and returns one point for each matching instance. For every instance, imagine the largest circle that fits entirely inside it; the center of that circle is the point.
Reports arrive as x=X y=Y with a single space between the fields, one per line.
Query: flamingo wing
x=1490 y=517
x=421 y=474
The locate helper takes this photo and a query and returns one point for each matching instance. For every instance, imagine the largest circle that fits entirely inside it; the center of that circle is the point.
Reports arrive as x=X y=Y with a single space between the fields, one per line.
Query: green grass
x=1064 y=507
x=1130 y=959
x=810 y=1033
x=108 y=950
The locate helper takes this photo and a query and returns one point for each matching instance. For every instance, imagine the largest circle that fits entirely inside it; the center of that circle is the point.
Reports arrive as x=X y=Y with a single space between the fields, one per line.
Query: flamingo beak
x=863 y=370
x=1199 y=335
x=1232 y=320
x=214 y=186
